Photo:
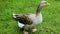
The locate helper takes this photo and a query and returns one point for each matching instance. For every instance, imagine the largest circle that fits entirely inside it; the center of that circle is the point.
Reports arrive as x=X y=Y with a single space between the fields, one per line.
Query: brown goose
x=30 y=20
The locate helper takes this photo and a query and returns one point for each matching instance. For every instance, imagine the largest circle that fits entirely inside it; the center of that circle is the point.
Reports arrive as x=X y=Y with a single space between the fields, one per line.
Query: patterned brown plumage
x=24 y=19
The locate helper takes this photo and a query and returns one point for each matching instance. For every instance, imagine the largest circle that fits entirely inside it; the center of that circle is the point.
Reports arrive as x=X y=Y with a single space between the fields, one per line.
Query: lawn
x=51 y=16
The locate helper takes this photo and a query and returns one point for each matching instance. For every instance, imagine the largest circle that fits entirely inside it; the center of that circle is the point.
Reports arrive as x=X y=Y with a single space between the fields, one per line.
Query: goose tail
x=14 y=15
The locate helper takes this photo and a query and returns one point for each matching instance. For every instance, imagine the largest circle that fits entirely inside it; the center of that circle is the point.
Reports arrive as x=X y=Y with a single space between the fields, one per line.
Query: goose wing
x=24 y=19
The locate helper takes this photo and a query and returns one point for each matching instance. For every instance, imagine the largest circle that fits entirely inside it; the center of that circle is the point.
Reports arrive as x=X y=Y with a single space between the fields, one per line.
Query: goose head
x=44 y=3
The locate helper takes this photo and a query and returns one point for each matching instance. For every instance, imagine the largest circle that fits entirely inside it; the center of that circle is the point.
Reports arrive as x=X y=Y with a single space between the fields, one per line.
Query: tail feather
x=17 y=15
x=14 y=15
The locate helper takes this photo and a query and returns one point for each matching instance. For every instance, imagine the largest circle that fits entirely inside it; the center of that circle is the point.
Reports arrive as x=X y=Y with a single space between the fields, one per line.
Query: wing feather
x=24 y=19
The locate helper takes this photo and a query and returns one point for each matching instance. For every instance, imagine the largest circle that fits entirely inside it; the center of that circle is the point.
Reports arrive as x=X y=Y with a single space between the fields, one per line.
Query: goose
x=26 y=21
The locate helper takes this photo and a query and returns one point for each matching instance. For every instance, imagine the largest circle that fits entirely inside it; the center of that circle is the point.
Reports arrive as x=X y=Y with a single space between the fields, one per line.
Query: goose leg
x=34 y=30
x=25 y=32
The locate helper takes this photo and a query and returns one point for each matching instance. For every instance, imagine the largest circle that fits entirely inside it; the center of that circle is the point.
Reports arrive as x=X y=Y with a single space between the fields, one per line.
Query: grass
x=51 y=16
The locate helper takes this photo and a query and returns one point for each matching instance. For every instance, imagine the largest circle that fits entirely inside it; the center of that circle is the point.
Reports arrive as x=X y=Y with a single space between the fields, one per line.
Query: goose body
x=30 y=19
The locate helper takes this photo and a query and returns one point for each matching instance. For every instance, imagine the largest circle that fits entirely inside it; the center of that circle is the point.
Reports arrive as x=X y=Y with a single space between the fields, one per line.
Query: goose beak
x=48 y=4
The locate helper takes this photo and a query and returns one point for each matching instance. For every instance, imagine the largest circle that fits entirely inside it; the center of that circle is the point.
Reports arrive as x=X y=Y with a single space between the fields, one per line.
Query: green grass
x=51 y=16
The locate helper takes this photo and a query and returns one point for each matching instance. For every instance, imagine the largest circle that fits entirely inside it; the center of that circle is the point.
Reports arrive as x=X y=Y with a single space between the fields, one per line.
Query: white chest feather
x=36 y=19
x=39 y=18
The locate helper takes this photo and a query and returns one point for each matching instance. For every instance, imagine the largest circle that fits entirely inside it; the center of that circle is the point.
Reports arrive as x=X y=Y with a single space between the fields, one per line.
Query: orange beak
x=48 y=4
